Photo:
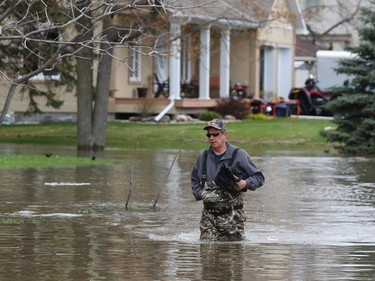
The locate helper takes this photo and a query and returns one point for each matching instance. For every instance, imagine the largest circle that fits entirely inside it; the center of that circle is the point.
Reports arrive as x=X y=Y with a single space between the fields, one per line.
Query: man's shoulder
x=240 y=152
x=203 y=153
x=231 y=148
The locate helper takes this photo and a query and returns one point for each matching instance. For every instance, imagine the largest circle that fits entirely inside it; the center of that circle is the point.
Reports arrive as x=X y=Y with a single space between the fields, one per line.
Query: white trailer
x=326 y=62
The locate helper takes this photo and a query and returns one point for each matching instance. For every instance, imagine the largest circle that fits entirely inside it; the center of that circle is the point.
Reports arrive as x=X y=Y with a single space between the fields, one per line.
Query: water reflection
x=313 y=220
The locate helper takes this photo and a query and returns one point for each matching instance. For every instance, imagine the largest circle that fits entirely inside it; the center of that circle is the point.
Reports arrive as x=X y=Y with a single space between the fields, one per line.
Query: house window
x=41 y=52
x=135 y=64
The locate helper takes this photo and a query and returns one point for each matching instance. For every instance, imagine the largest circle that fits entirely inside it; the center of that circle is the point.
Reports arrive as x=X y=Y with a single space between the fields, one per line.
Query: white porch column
x=175 y=62
x=204 y=68
x=225 y=63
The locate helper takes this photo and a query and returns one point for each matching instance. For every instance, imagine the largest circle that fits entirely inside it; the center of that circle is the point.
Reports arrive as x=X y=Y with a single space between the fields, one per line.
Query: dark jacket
x=243 y=166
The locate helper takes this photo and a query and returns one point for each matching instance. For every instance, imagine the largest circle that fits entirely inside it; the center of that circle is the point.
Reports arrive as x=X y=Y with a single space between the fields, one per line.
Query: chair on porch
x=163 y=87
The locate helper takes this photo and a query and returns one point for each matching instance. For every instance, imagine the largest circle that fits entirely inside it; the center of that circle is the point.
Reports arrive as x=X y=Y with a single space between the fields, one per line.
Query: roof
x=298 y=21
x=232 y=13
x=305 y=48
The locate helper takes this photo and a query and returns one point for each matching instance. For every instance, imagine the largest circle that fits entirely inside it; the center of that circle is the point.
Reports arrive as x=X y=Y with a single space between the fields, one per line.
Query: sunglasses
x=213 y=134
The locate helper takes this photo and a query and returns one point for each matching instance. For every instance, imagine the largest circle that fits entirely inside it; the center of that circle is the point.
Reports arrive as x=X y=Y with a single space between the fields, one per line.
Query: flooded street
x=313 y=220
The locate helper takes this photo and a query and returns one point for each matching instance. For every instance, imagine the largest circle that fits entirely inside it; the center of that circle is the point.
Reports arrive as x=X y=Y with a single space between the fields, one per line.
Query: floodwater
x=313 y=220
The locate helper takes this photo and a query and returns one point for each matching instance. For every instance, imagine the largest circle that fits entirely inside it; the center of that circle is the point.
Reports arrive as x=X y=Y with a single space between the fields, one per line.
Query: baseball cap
x=215 y=123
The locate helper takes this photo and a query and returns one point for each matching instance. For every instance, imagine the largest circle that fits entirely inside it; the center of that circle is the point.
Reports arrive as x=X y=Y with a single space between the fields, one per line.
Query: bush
x=208 y=115
x=257 y=116
x=237 y=108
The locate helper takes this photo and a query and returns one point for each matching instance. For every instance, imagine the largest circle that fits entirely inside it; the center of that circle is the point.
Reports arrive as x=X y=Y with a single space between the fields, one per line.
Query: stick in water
x=169 y=171
x=131 y=175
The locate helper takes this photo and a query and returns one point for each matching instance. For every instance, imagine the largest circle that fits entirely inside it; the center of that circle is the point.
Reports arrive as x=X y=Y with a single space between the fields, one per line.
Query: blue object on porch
x=282 y=110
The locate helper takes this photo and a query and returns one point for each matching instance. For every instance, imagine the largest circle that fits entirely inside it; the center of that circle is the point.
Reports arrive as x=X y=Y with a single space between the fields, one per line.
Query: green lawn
x=41 y=161
x=254 y=135
x=279 y=131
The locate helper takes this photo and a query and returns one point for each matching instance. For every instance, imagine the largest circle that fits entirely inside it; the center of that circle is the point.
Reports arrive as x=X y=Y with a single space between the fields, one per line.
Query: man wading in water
x=221 y=175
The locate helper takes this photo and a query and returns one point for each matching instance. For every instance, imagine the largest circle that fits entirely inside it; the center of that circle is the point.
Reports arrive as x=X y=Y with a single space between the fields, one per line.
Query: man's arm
x=248 y=172
x=196 y=181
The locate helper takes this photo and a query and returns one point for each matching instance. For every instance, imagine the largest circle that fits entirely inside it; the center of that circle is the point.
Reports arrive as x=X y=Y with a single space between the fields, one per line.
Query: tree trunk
x=84 y=86
x=84 y=102
x=102 y=87
x=8 y=100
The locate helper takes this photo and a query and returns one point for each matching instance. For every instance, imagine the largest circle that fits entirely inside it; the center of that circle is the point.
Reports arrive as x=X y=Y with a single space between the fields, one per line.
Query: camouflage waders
x=222 y=217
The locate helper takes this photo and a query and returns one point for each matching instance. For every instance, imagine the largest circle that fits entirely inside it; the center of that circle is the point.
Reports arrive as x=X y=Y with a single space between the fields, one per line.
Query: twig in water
x=131 y=174
x=169 y=171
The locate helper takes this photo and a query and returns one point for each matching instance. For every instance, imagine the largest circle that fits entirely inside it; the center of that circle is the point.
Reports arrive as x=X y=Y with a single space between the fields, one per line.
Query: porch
x=153 y=106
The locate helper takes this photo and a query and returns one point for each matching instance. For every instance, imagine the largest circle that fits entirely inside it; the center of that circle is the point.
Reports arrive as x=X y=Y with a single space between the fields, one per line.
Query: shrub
x=237 y=108
x=257 y=116
x=208 y=115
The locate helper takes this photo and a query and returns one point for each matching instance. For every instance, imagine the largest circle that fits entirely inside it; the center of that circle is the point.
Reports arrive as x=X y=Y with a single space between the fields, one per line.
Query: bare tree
x=25 y=36
x=331 y=17
x=74 y=37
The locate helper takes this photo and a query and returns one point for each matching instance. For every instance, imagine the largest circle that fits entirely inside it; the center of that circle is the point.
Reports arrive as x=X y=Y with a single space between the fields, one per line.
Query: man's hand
x=240 y=184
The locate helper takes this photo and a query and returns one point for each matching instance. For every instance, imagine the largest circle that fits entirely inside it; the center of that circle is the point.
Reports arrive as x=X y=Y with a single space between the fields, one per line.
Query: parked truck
x=326 y=62
x=317 y=91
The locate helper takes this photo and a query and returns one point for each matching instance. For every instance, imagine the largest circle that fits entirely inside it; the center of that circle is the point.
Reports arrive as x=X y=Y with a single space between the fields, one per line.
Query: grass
x=40 y=161
x=279 y=131
x=253 y=135
x=124 y=134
